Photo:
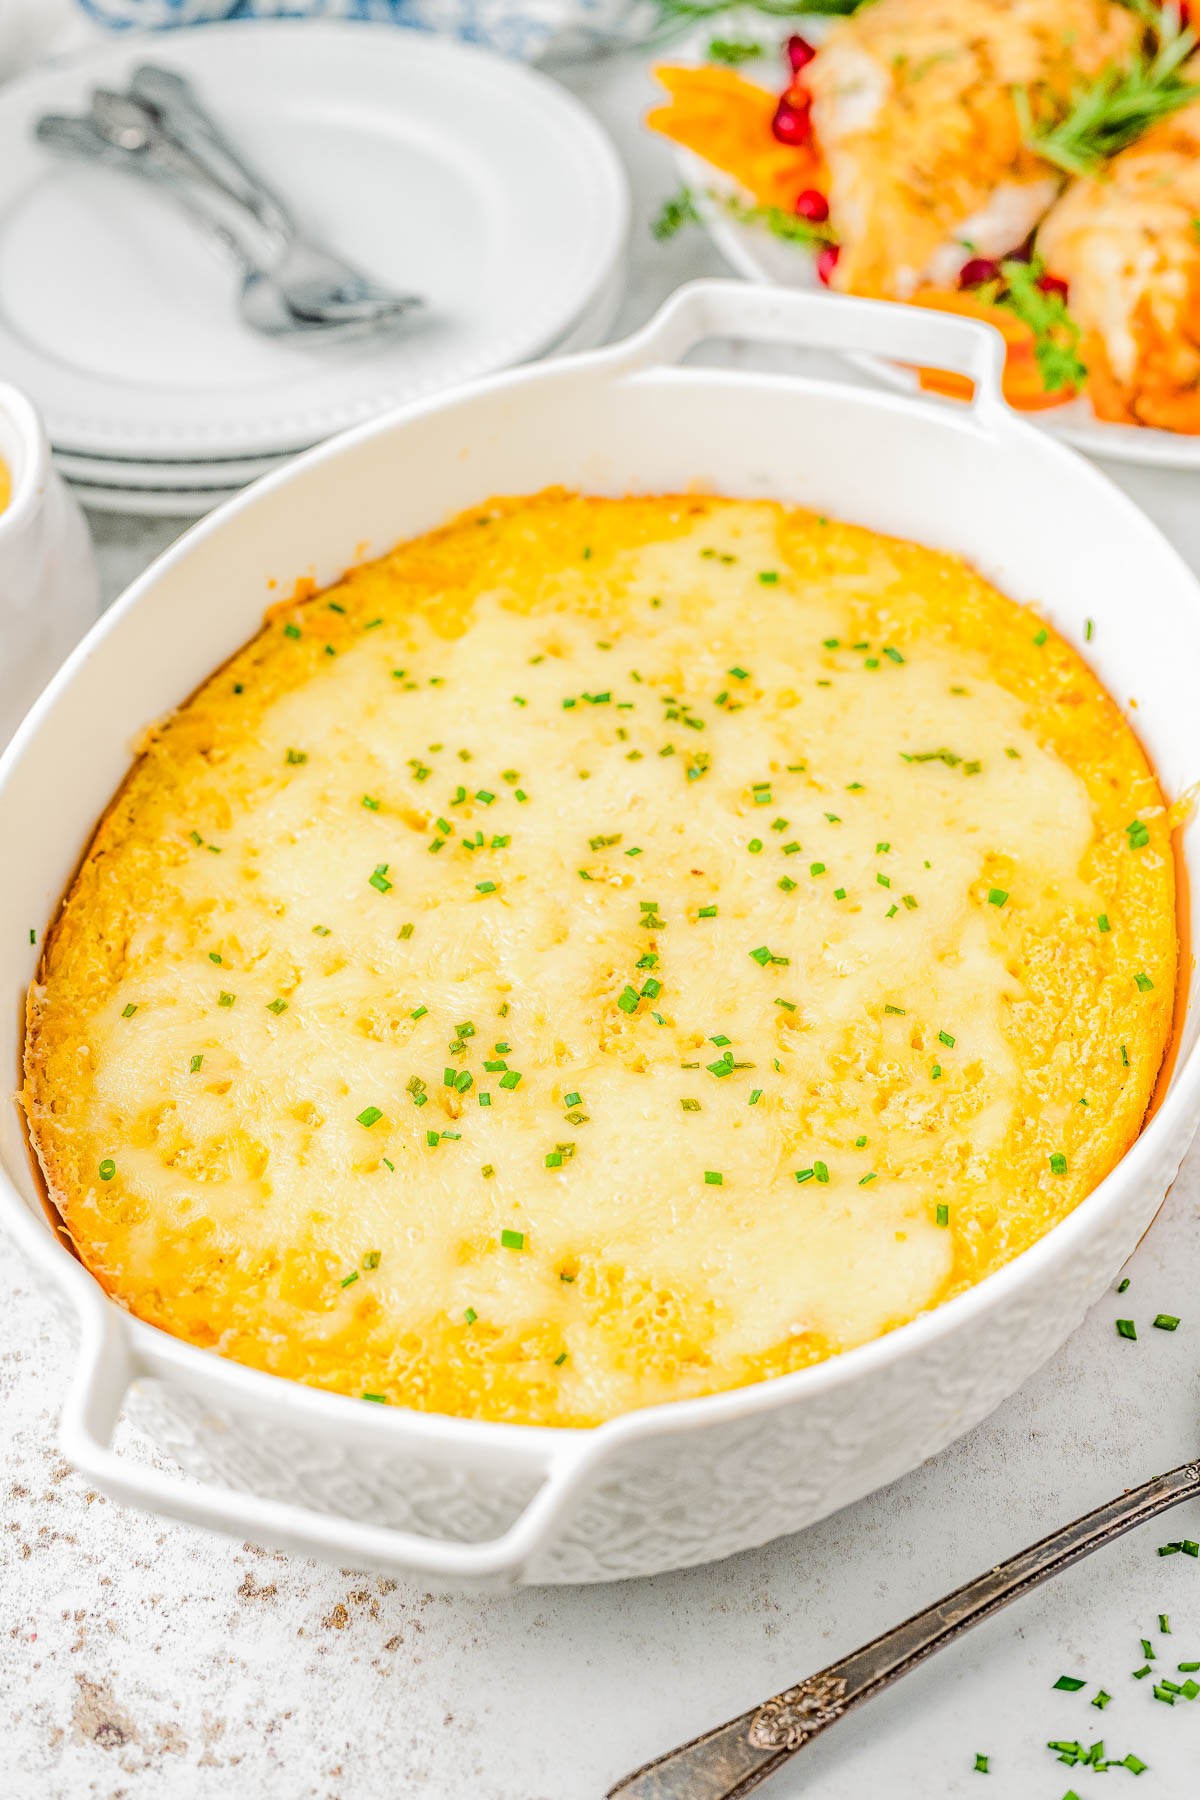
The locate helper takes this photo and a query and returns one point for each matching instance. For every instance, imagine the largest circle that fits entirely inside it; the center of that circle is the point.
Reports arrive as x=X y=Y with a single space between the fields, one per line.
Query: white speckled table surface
x=143 y=1660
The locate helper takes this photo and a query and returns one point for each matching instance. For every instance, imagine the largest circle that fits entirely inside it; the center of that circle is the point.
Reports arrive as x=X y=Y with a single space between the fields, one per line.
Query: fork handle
x=183 y=117
x=727 y=1763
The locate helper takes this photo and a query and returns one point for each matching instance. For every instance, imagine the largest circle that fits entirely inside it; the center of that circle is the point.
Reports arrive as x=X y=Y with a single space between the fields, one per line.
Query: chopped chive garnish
x=277 y=1006
x=512 y=1240
x=509 y=1079
x=981 y=1764
x=1102 y=923
x=107 y=1169
x=713 y=1178
x=379 y=879
x=1126 y=1329
x=997 y=896
x=370 y=1116
x=470 y=1315
x=895 y=1009
x=1164 y=1624
x=1039 y=637
x=1058 y=1163
x=1070 y=1684
x=1144 y=982
x=821 y=1172
x=352 y=1277
x=127 y=1012
x=324 y=931
x=1101 y=1699
x=864 y=1179
x=1166 y=1322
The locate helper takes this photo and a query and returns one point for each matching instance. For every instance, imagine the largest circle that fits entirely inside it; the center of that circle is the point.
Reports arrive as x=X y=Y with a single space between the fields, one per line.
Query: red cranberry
x=1053 y=284
x=978 y=270
x=812 y=205
x=827 y=263
x=791 y=124
x=799 y=53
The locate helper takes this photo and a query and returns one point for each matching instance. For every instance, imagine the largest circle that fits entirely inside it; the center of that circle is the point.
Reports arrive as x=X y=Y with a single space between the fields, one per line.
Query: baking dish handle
x=108 y=1364
x=820 y=321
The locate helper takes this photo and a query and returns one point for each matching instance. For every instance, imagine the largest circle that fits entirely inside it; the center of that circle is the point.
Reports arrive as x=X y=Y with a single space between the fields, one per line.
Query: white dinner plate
x=190 y=489
x=437 y=167
x=756 y=254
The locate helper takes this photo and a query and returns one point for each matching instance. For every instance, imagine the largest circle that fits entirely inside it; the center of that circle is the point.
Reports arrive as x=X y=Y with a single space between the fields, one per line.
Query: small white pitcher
x=49 y=587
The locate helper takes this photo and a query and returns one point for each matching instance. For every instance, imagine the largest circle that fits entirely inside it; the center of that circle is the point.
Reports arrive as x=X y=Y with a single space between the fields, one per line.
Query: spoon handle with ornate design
x=726 y=1763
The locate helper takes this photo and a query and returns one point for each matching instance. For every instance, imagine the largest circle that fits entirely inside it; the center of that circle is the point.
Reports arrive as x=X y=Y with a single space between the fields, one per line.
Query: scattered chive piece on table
x=1123 y=1284
x=981 y=1764
x=1126 y=1329
x=1070 y=1684
x=1165 y=1322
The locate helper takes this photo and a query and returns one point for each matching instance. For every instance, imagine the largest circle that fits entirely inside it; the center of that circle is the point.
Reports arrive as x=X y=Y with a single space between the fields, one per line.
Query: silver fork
x=727 y=1763
x=315 y=282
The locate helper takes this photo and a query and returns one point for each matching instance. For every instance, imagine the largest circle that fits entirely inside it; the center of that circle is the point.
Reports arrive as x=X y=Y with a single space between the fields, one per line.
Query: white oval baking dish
x=467 y=1502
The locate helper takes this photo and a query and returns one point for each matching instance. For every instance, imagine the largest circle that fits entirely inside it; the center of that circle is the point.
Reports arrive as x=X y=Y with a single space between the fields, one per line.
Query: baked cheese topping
x=603 y=952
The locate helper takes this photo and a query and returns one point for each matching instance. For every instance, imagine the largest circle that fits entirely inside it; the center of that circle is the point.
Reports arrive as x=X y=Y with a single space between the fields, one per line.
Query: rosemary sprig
x=788 y=226
x=1114 y=110
x=675 y=213
x=675 y=17
x=681 y=210
x=733 y=50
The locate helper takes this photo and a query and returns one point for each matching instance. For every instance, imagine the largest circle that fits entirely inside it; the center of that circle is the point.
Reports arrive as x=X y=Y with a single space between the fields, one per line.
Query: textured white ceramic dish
x=754 y=253
x=469 y=1502
x=435 y=166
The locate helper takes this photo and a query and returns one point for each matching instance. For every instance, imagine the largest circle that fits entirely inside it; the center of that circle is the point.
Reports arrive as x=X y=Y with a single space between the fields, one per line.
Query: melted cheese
x=693 y=814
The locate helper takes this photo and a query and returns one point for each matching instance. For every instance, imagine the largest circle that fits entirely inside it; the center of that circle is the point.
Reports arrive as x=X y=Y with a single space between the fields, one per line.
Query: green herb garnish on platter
x=1114 y=110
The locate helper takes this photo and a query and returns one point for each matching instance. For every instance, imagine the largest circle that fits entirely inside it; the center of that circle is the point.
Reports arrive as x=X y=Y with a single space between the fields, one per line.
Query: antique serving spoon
x=726 y=1763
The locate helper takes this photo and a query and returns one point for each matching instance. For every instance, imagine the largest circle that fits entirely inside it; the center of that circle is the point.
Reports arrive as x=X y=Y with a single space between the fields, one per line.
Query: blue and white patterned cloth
x=528 y=29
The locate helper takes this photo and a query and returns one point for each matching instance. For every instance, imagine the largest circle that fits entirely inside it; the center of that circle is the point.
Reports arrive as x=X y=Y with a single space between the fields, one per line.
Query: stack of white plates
x=439 y=169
